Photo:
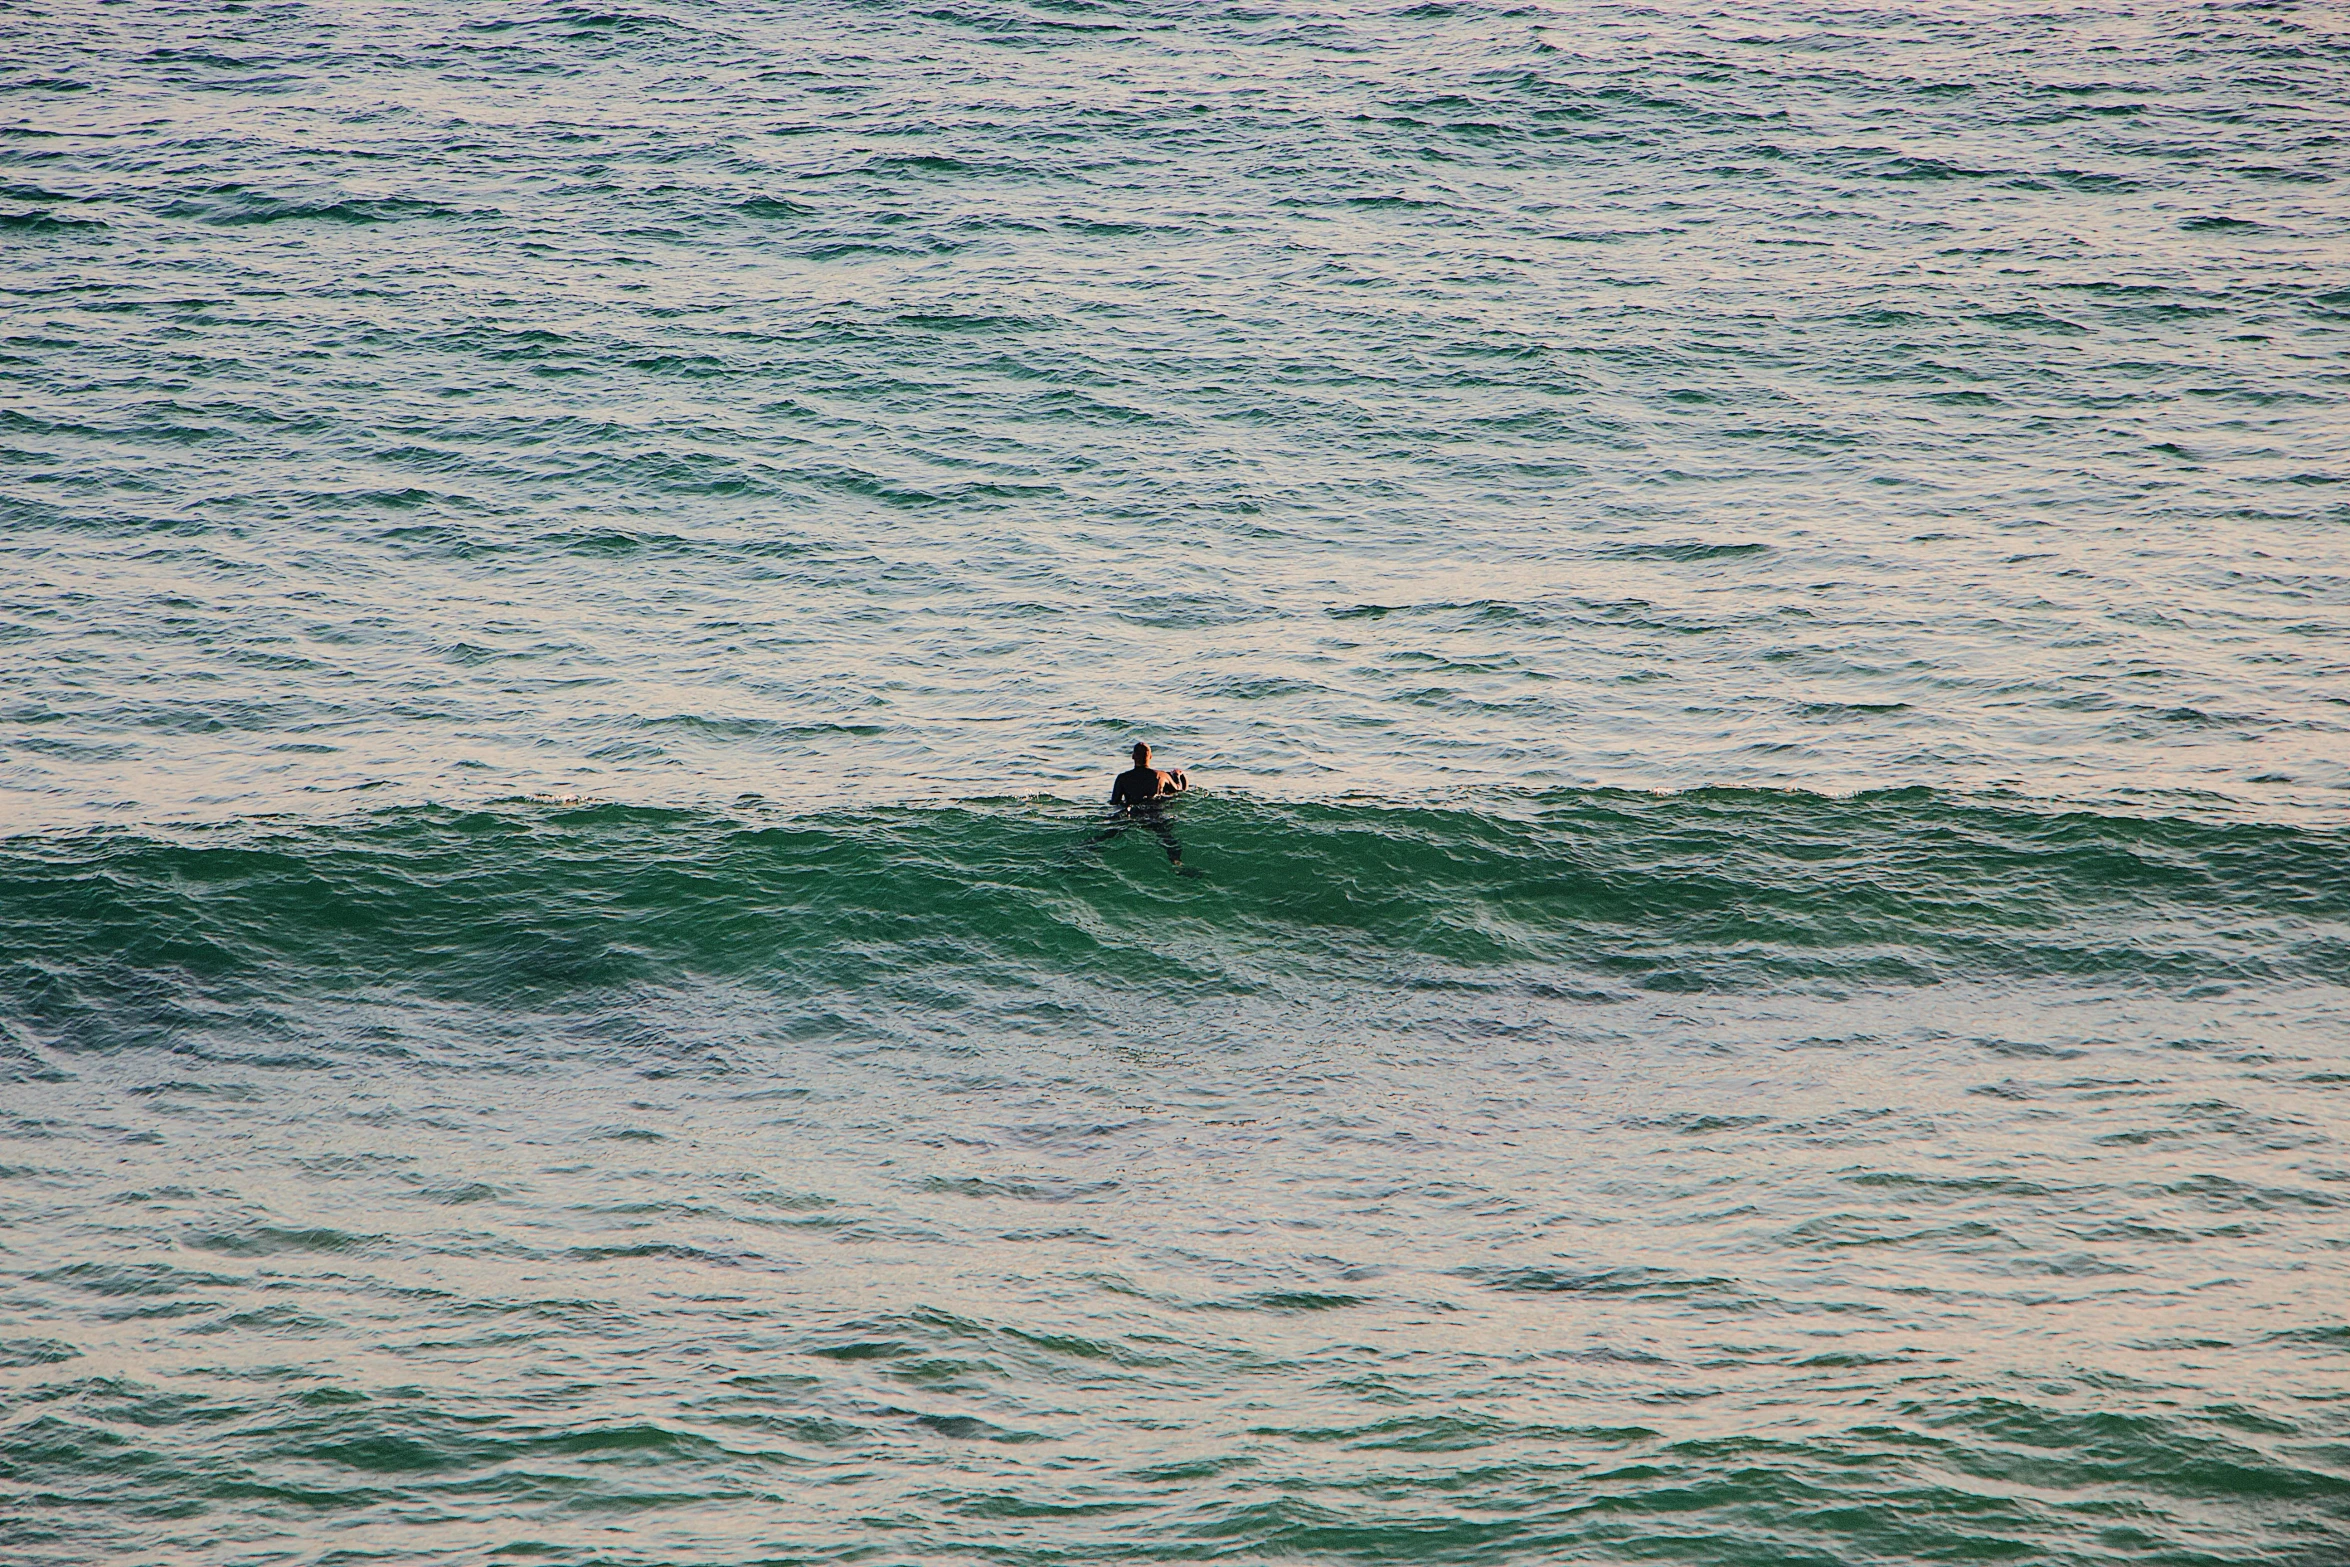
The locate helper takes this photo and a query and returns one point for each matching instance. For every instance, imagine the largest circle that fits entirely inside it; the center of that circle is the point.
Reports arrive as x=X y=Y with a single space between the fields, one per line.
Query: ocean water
x=1758 y=596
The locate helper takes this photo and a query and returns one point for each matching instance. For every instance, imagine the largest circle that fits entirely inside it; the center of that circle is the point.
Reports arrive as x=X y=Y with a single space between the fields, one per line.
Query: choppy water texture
x=1761 y=594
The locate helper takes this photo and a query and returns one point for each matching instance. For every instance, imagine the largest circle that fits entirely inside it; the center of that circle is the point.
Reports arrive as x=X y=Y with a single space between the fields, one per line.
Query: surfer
x=1136 y=798
x=1142 y=782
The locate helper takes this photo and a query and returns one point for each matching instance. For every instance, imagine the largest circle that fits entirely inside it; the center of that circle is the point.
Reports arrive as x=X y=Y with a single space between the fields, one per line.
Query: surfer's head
x=1142 y=754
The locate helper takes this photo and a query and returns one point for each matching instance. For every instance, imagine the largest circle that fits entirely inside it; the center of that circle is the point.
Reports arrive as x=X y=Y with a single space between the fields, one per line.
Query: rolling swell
x=1722 y=890
x=1737 y=1177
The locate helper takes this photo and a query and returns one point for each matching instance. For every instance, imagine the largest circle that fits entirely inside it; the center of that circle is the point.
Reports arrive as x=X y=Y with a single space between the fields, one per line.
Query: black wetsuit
x=1140 y=785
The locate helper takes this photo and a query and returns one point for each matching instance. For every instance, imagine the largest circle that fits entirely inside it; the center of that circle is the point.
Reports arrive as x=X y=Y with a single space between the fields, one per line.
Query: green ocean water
x=1735 y=1176
x=1756 y=595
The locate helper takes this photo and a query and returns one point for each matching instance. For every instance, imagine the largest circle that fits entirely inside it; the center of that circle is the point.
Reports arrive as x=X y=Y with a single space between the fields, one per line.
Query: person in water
x=1142 y=782
x=1137 y=796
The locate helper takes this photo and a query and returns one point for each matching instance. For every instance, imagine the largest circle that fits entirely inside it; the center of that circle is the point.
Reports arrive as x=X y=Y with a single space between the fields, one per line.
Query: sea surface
x=1757 y=597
